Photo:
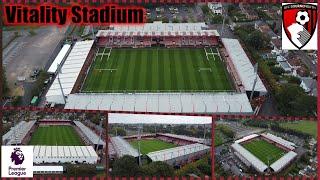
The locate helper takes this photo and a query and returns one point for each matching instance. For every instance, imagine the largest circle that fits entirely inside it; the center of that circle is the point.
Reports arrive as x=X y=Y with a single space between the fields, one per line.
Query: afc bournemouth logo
x=17 y=161
x=299 y=26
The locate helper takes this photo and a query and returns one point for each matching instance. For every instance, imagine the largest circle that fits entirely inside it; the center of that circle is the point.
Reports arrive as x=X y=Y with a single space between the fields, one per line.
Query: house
x=248 y=11
x=309 y=85
x=282 y=61
x=276 y=45
x=265 y=29
x=216 y=8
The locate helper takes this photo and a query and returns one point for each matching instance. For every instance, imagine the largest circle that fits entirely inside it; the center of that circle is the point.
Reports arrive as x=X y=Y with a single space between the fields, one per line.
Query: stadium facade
x=250 y=160
x=66 y=88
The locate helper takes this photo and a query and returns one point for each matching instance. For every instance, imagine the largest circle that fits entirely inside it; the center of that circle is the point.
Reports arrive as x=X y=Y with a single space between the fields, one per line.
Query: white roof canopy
x=58 y=60
x=69 y=72
x=122 y=147
x=283 y=161
x=172 y=153
x=243 y=65
x=232 y=103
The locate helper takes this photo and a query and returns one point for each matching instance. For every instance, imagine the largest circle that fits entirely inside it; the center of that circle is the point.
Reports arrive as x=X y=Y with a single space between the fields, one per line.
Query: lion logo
x=17 y=156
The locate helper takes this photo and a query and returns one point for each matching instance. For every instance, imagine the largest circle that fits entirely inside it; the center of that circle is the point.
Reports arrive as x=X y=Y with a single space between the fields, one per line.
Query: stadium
x=57 y=141
x=266 y=153
x=155 y=67
x=175 y=150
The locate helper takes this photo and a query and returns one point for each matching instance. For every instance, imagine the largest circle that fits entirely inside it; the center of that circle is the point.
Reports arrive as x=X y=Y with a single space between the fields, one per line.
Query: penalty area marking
x=111 y=70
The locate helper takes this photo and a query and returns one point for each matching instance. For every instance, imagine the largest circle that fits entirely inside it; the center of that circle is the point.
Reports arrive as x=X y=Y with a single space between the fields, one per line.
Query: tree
x=277 y=70
x=292 y=100
x=257 y=40
x=5 y=88
x=126 y=166
x=158 y=168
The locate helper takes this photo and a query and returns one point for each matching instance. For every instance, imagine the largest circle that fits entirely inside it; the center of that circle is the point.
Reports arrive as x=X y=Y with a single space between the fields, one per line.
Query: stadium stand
x=283 y=161
x=181 y=139
x=59 y=59
x=69 y=73
x=48 y=122
x=167 y=34
x=91 y=136
x=180 y=155
x=291 y=146
x=243 y=66
x=18 y=133
x=225 y=103
x=64 y=154
x=122 y=147
x=242 y=153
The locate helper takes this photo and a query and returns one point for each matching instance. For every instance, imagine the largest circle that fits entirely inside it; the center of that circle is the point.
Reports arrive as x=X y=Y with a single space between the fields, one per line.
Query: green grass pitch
x=156 y=69
x=263 y=150
x=151 y=145
x=308 y=127
x=55 y=135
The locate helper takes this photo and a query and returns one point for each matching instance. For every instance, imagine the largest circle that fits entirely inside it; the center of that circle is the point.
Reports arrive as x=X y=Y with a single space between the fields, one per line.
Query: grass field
x=156 y=69
x=263 y=150
x=151 y=145
x=55 y=135
x=308 y=127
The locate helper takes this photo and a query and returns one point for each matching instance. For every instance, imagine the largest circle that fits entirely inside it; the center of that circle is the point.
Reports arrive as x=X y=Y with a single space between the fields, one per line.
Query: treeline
x=255 y=123
x=127 y=166
x=226 y=131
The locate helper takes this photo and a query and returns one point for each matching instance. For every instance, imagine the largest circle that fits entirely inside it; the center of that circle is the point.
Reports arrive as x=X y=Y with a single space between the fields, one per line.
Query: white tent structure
x=64 y=154
x=59 y=59
x=243 y=66
x=47 y=169
x=230 y=103
x=179 y=155
x=279 y=140
x=69 y=72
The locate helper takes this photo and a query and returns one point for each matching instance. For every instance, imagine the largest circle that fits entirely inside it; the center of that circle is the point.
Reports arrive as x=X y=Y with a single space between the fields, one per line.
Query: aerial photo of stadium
x=251 y=147
x=155 y=67
x=63 y=143
x=148 y=145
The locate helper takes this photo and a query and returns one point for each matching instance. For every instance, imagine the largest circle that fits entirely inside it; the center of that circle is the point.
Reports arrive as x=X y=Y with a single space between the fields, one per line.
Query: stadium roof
x=172 y=153
x=256 y=163
x=243 y=65
x=122 y=118
x=279 y=140
x=187 y=138
x=58 y=60
x=17 y=133
x=92 y=136
x=283 y=161
x=159 y=29
x=69 y=72
x=122 y=147
x=40 y=152
x=246 y=138
x=232 y=103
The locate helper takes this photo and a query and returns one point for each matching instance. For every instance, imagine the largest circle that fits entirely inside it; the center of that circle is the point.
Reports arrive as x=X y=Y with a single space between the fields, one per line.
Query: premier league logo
x=299 y=23
x=17 y=156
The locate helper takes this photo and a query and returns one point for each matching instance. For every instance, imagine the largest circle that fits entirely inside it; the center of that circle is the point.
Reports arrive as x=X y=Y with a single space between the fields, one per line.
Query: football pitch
x=308 y=127
x=157 y=70
x=151 y=145
x=263 y=150
x=55 y=135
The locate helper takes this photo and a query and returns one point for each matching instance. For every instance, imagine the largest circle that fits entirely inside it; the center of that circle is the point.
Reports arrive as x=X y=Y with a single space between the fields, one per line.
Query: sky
x=157 y=119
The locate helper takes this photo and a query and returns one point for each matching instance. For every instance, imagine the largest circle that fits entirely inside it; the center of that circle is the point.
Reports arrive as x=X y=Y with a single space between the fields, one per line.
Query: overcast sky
x=157 y=119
